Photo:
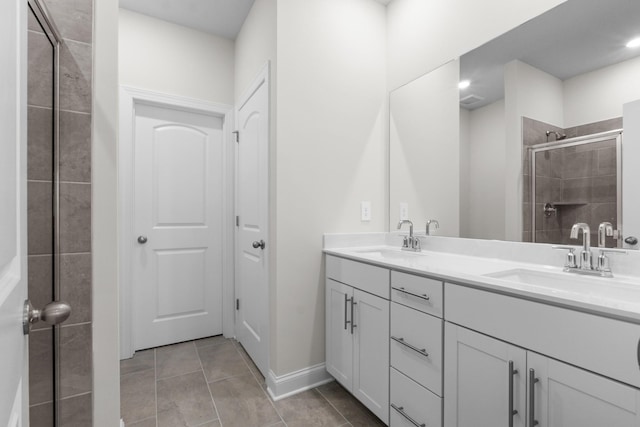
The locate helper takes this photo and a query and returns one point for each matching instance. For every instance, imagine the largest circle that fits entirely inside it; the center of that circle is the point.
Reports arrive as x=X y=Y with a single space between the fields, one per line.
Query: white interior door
x=13 y=214
x=177 y=260
x=252 y=244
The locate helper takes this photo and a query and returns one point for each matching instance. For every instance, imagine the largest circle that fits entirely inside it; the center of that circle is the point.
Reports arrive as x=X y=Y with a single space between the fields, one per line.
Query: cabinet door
x=371 y=353
x=478 y=380
x=566 y=396
x=339 y=338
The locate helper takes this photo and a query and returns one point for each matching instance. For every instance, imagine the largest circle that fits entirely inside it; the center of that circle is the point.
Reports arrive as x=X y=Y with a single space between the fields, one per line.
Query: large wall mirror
x=524 y=136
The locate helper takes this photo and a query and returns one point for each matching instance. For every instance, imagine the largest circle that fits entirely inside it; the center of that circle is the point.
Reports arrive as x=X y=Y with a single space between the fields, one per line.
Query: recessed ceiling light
x=464 y=84
x=634 y=43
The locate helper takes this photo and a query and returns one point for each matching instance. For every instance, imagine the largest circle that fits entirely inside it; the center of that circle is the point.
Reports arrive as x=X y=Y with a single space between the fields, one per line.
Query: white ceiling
x=222 y=18
x=574 y=38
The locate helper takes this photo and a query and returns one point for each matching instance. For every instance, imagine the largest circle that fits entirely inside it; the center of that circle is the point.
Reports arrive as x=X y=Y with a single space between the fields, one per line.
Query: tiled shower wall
x=74 y=19
x=585 y=174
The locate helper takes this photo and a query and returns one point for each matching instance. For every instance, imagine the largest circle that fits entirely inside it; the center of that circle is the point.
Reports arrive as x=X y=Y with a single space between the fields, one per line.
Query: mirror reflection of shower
x=558 y=136
x=574 y=177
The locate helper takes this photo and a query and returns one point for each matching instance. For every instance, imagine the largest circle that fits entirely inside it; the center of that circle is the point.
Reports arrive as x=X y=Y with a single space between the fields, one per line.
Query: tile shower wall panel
x=74 y=19
x=580 y=179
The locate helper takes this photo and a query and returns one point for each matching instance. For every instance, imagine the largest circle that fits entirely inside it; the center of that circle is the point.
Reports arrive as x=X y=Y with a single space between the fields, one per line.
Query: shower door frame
x=43 y=16
x=572 y=142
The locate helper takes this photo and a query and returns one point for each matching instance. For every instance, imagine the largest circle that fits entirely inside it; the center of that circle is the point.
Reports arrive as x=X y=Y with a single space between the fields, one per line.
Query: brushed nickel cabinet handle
x=512 y=373
x=400 y=340
x=353 y=320
x=346 y=301
x=404 y=291
x=401 y=411
x=532 y=398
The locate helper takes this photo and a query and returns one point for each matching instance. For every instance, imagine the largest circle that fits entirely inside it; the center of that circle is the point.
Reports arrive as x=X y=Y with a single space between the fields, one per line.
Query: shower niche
x=573 y=179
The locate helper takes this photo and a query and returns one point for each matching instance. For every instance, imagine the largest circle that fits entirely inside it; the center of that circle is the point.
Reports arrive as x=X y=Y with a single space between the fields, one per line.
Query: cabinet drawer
x=411 y=332
x=605 y=346
x=409 y=400
x=417 y=292
x=368 y=278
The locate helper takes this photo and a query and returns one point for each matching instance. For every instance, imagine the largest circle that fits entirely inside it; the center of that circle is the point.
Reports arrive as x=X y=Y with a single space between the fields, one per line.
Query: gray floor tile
x=222 y=361
x=252 y=366
x=184 y=400
x=347 y=405
x=141 y=361
x=177 y=359
x=218 y=339
x=240 y=399
x=309 y=409
x=138 y=396
x=149 y=422
x=241 y=402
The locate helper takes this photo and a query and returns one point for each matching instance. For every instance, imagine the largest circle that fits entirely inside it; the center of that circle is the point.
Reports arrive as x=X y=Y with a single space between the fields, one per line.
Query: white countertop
x=617 y=297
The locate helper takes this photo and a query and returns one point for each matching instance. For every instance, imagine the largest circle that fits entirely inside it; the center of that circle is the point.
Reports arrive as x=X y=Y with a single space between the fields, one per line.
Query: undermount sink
x=608 y=288
x=388 y=253
x=538 y=278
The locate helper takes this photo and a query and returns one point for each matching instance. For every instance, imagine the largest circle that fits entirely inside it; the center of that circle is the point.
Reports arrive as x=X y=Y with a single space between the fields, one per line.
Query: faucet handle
x=612 y=251
x=570 y=261
x=603 y=260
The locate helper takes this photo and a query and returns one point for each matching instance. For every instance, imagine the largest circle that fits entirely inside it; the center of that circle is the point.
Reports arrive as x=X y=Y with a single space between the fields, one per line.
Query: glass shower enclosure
x=576 y=180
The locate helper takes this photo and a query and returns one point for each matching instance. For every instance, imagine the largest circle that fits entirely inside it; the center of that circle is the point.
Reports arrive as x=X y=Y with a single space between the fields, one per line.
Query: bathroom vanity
x=436 y=338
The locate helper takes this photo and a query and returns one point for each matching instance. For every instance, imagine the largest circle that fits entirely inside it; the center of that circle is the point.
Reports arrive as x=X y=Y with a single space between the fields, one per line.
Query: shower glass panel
x=576 y=180
x=42 y=193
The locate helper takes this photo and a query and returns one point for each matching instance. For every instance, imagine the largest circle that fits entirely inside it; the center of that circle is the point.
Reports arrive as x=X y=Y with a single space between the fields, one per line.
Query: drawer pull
x=423 y=296
x=401 y=411
x=422 y=351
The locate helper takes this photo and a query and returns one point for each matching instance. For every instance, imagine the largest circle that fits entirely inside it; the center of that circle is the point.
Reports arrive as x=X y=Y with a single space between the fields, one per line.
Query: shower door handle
x=53 y=313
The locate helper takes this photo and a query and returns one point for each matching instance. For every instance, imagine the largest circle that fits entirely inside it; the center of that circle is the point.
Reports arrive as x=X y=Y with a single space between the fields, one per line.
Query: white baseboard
x=122 y=423
x=292 y=383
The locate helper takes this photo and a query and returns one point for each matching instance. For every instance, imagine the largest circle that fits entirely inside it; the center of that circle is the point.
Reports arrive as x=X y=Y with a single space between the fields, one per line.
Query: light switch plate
x=365 y=211
x=404 y=211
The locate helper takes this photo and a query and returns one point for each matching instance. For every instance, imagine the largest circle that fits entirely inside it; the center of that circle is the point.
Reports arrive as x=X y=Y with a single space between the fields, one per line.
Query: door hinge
x=237 y=221
x=237 y=303
x=237 y=135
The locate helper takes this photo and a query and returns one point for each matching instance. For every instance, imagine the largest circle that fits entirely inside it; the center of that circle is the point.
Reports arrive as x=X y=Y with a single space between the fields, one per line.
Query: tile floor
x=212 y=382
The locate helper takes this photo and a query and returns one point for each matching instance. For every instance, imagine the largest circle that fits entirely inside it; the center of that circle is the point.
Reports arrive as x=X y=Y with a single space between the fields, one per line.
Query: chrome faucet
x=429 y=222
x=410 y=243
x=585 y=254
x=586 y=266
x=604 y=229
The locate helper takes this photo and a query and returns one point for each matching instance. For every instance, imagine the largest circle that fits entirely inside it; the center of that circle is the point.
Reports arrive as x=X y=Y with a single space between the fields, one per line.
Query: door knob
x=142 y=239
x=261 y=244
x=53 y=313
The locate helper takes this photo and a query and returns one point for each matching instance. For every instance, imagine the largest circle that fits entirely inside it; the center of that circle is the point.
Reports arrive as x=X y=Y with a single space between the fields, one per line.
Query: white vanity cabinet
x=357 y=331
x=416 y=350
x=496 y=368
